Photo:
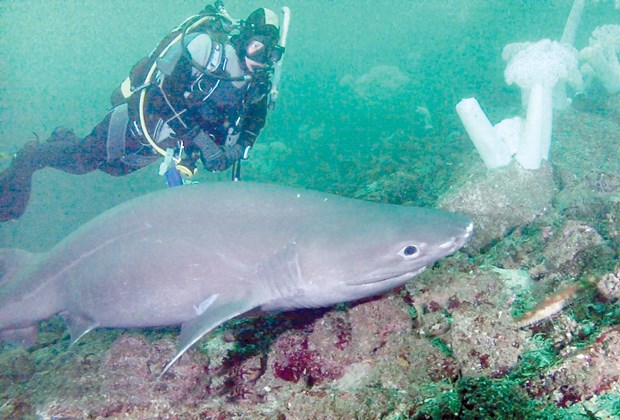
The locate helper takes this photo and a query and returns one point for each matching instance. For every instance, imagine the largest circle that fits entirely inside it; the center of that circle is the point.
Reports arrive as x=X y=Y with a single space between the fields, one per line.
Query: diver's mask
x=260 y=50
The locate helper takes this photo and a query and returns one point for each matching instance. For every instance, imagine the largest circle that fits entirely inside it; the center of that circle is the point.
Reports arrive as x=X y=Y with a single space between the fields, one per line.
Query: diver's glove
x=211 y=155
x=216 y=158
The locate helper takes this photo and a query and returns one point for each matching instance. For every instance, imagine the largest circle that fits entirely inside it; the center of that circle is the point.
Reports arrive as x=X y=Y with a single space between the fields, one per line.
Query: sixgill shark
x=203 y=254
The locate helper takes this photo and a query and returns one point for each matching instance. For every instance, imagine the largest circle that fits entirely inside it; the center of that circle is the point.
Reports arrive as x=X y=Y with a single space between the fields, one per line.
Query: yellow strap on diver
x=142 y=102
x=185 y=171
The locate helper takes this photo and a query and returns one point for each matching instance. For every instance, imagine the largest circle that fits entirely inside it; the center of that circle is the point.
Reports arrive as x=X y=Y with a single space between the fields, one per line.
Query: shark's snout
x=460 y=240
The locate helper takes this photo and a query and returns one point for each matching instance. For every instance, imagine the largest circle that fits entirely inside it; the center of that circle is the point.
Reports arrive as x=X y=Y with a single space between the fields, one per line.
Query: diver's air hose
x=141 y=104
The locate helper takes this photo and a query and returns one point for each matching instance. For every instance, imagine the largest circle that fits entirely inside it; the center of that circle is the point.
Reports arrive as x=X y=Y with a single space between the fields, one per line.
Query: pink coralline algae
x=298 y=362
x=317 y=355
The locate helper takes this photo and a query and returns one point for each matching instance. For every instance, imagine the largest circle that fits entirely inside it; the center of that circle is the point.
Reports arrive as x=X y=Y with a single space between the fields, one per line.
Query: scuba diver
x=202 y=95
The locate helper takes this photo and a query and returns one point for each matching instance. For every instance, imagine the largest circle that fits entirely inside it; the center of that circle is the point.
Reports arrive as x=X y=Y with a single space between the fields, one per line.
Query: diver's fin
x=217 y=312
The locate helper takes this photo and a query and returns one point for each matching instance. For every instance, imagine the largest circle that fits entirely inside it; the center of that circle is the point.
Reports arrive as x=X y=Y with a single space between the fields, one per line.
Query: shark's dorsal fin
x=78 y=325
x=218 y=312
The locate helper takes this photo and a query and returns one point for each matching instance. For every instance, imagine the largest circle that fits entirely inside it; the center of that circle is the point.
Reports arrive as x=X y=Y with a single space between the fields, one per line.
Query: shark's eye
x=409 y=251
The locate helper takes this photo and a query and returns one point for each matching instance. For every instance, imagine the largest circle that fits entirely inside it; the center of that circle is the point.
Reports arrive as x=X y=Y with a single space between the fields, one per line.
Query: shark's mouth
x=386 y=277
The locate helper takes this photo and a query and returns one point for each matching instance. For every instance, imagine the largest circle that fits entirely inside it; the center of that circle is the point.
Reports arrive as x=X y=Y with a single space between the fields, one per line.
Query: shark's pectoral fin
x=281 y=277
x=218 y=312
x=78 y=325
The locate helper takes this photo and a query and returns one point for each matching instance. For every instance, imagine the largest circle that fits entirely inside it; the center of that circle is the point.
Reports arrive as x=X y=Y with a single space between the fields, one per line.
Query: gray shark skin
x=200 y=255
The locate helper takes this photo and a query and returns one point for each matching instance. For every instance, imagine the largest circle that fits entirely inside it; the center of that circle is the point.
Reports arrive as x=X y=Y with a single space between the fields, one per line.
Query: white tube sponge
x=572 y=23
x=509 y=130
x=547 y=62
x=537 y=68
x=601 y=56
x=536 y=137
x=490 y=146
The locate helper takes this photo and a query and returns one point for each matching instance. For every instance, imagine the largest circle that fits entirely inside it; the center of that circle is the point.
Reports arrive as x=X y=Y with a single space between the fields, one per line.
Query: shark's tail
x=13 y=264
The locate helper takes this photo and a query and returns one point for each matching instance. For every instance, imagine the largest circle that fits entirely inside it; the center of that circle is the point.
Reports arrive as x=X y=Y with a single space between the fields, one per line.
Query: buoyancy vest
x=154 y=89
